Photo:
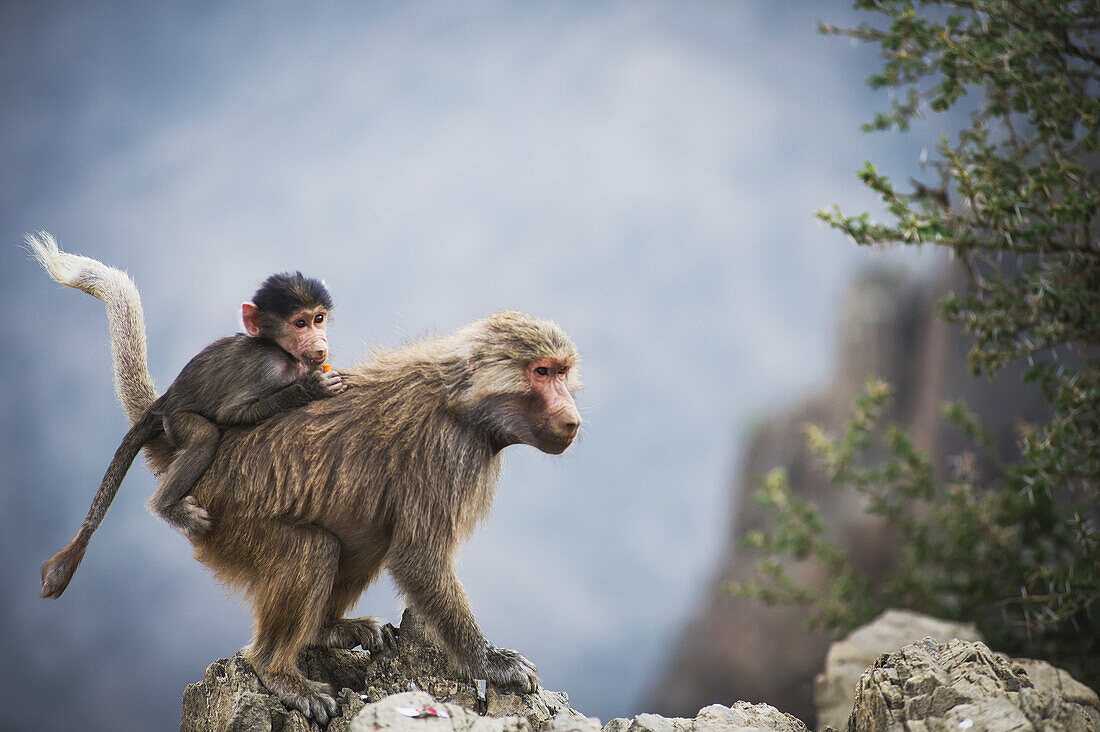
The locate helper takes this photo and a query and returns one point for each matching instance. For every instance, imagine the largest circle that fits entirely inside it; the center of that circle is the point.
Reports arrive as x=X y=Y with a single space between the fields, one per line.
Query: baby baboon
x=238 y=380
x=313 y=503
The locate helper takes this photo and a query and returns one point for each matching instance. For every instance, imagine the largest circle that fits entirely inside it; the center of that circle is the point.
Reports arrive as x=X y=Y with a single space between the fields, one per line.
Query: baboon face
x=302 y=333
x=552 y=414
x=303 y=336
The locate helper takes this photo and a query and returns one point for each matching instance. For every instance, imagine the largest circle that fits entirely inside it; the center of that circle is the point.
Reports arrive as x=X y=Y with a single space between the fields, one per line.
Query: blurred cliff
x=739 y=649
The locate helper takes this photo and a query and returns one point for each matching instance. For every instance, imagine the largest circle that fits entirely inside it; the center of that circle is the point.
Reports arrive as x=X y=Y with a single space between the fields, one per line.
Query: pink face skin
x=553 y=412
x=305 y=336
x=303 y=333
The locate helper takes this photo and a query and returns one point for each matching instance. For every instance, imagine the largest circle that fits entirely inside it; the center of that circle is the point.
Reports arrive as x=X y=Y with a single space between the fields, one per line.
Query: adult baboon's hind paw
x=509 y=668
x=312 y=698
x=372 y=634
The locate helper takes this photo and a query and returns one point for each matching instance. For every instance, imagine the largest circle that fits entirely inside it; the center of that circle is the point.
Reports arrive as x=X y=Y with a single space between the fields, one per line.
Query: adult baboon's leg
x=297 y=565
x=429 y=582
x=355 y=574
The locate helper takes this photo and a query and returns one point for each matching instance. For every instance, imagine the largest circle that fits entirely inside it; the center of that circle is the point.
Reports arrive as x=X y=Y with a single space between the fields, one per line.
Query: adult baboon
x=313 y=503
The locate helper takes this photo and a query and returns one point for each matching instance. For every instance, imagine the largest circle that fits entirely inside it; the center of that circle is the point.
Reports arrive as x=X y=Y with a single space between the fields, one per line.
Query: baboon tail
x=133 y=383
x=59 y=569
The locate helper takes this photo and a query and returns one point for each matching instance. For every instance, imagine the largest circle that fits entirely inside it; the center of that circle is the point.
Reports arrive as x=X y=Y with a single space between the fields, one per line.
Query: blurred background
x=644 y=173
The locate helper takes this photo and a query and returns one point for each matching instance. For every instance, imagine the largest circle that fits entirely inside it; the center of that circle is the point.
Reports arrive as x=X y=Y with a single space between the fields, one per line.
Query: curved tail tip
x=44 y=248
x=52 y=589
x=54 y=581
x=57 y=571
x=42 y=244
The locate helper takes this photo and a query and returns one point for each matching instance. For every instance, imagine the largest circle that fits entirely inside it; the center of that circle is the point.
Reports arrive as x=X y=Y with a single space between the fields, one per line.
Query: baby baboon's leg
x=196 y=440
x=427 y=578
x=297 y=565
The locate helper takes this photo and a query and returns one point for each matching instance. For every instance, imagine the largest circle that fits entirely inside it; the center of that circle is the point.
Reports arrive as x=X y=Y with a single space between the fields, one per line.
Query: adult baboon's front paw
x=508 y=668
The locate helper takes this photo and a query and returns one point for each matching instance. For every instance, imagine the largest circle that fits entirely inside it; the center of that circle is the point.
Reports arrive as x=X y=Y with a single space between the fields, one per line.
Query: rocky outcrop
x=419 y=712
x=740 y=649
x=848 y=659
x=962 y=685
x=231 y=697
x=928 y=685
x=411 y=688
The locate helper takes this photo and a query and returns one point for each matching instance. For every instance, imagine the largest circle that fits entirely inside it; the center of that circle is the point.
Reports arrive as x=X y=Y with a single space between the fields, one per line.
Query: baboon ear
x=250 y=315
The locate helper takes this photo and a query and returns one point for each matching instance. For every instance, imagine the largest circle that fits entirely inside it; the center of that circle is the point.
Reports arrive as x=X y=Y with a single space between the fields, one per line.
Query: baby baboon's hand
x=327 y=384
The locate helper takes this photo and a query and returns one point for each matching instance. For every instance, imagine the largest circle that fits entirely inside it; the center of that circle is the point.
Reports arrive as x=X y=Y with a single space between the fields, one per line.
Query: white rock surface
x=847 y=659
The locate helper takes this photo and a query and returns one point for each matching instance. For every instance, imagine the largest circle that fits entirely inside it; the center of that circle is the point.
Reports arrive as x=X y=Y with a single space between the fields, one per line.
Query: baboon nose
x=571 y=427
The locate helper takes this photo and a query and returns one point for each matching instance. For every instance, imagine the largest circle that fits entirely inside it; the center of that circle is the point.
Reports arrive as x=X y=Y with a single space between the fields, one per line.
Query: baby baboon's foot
x=371 y=633
x=508 y=668
x=190 y=518
x=311 y=698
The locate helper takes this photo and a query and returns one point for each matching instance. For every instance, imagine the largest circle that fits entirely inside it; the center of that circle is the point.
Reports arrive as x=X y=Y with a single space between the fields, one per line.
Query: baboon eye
x=319 y=319
x=562 y=370
x=300 y=323
x=542 y=371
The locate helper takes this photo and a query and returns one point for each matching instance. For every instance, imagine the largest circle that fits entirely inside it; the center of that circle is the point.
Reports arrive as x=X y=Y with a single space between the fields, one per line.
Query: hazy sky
x=644 y=173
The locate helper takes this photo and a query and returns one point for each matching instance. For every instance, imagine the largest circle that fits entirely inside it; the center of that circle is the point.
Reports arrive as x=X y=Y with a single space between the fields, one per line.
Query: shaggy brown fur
x=312 y=504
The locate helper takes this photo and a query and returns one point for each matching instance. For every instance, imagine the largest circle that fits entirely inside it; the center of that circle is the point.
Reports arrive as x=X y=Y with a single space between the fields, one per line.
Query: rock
x=384 y=692
x=962 y=685
x=231 y=698
x=847 y=659
x=715 y=718
x=742 y=649
x=418 y=711
x=1052 y=680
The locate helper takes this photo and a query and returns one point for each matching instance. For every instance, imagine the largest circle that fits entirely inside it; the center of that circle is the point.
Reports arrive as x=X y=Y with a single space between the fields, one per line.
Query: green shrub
x=1014 y=196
